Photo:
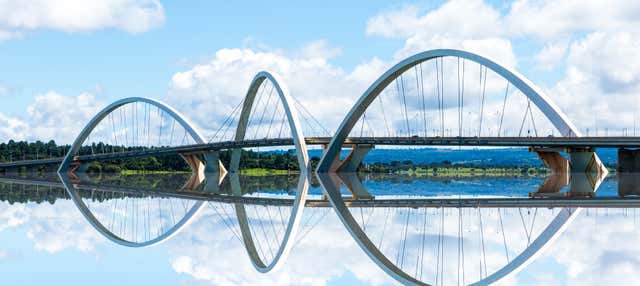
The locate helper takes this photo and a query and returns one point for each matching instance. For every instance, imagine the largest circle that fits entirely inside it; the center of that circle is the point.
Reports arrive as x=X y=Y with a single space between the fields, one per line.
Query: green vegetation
x=251 y=162
x=447 y=169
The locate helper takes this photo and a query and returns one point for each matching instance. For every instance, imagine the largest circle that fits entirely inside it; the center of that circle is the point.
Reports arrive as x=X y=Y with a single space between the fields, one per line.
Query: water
x=382 y=229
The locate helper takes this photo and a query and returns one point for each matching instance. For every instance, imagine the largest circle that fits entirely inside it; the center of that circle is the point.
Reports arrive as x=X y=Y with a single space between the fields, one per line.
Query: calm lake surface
x=290 y=230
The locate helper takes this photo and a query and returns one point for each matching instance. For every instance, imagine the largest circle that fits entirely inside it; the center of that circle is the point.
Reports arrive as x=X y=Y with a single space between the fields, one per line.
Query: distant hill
x=487 y=157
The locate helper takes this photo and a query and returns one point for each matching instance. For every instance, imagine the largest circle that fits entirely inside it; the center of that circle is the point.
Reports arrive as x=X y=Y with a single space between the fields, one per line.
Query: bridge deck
x=536 y=142
x=513 y=202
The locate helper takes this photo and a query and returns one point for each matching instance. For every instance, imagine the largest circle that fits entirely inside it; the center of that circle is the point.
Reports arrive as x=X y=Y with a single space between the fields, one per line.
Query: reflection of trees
x=252 y=184
x=13 y=193
x=48 y=191
x=20 y=193
x=171 y=181
x=23 y=150
x=103 y=187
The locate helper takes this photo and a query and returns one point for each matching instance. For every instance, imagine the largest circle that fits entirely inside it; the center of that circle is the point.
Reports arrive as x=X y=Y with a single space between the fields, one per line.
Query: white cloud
x=61 y=117
x=210 y=91
x=550 y=56
x=475 y=18
x=594 y=40
x=472 y=18
x=133 y=16
x=13 y=128
x=394 y=24
x=548 y=18
x=602 y=79
x=51 y=116
x=595 y=248
x=320 y=49
x=13 y=215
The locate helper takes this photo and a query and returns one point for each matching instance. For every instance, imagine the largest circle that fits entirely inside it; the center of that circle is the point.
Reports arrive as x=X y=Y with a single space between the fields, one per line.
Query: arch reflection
x=421 y=237
x=133 y=218
x=452 y=239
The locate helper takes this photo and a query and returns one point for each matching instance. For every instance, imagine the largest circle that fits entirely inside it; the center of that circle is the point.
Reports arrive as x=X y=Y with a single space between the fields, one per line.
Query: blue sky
x=118 y=64
x=64 y=60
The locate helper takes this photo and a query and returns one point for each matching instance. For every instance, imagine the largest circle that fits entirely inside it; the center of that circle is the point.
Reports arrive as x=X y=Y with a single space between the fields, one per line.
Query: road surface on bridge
x=535 y=142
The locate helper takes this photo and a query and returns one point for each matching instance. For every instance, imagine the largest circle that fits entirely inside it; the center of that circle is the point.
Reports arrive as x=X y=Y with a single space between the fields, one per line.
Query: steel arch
x=290 y=233
x=548 y=108
x=75 y=147
x=292 y=118
x=535 y=94
x=77 y=143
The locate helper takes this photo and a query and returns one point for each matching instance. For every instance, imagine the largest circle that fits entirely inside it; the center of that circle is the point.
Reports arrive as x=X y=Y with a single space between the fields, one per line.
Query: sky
x=62 y=61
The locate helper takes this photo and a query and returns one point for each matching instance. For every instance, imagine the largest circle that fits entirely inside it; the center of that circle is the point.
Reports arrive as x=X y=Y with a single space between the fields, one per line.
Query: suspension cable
x=483 y=85
x=504 y=104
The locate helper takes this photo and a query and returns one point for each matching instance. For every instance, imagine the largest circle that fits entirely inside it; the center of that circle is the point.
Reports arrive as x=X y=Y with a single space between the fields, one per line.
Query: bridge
x=439 y=97
x=536 y=143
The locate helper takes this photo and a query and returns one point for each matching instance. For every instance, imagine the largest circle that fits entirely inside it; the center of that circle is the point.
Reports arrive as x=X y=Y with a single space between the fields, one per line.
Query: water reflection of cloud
x=209 y=251
x=597 y=246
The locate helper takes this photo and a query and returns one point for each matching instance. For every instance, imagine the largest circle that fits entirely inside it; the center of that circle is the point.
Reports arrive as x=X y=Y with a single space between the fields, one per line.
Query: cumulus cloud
x=594 y=41
x=476 y=18
x=211 y=90
x=133 y=16
x=51 y=115
x=472 y=18
x=548 y=19
x=550 y=56
x=603 y=71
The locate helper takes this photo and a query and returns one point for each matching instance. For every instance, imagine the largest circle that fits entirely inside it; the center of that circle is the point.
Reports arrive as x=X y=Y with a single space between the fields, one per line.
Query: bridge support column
x=234 y=165
x=213 y=165
x=214 y=171
x=83 y=168
x=584 y=160
x=559 y=167
x=628 y=160
x=627 y=172
x=587 y=172
x=350 y=163
x=197 y=167
x=205 y=166
x=557 y=163
x=78 y=167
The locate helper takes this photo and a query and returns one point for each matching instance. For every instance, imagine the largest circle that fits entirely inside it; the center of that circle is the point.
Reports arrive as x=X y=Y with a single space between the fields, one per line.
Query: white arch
x=77 y=143
x=75 y=147
x=290 y=233
x=548 y=108
x=77 y=200
x=292 y=118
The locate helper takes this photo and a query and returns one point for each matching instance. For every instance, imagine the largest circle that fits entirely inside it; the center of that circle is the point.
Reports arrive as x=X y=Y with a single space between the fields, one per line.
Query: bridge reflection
x=417 y=238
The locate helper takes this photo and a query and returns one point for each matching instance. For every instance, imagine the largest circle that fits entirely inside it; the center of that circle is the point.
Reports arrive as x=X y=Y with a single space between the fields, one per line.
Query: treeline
x=271 y=160
x=23 y=150
x=280 y=160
